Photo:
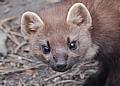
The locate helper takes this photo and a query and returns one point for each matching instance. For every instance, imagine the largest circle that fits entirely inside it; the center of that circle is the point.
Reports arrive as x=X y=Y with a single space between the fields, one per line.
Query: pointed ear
x=30 y=23
x=78 y=14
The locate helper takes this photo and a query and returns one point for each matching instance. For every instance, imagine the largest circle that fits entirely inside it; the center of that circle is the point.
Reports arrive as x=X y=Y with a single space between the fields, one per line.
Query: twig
x=7 y=20
x=53 y=76
x=17 y=34
x=6 y=28
x=18 y=70
x=23 y=58
x=21 y=83
x=14 y=39
x=19 y=46
x=68 y=81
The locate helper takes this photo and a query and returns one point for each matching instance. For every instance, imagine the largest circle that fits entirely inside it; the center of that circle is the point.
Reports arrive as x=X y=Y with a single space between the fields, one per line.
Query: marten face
x=61 y=50
x=57 y=41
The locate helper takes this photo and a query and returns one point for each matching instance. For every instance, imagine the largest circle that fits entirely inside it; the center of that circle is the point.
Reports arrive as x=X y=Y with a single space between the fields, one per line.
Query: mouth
x=61 y=70
x=53 y=66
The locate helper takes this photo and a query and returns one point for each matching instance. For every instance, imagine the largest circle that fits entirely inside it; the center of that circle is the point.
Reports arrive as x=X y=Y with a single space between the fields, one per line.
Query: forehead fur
x=55 y=19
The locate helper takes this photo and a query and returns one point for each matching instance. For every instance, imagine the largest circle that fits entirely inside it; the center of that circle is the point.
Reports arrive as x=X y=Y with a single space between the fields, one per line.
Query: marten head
x=59 y=37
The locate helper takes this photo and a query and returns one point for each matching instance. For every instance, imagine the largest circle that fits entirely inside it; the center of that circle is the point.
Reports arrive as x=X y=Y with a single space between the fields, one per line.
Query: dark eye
x=46 y=48
x=72 y=45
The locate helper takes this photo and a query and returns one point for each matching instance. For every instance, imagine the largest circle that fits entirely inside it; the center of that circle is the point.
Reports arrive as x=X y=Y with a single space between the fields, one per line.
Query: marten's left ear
x=30 y=23
x=78 y=14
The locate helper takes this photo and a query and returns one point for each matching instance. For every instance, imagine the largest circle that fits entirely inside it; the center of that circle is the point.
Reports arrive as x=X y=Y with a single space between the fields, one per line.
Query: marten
x=63 y=33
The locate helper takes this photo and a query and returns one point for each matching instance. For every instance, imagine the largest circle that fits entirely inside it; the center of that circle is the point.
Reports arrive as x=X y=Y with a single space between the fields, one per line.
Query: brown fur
x=104 y=32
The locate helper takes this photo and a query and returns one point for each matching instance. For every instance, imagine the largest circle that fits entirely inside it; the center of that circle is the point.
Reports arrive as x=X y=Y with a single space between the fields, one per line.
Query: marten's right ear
x=30 y=23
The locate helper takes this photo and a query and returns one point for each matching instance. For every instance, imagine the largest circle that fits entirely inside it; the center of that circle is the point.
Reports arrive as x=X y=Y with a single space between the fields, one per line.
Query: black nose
x=61 y=66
